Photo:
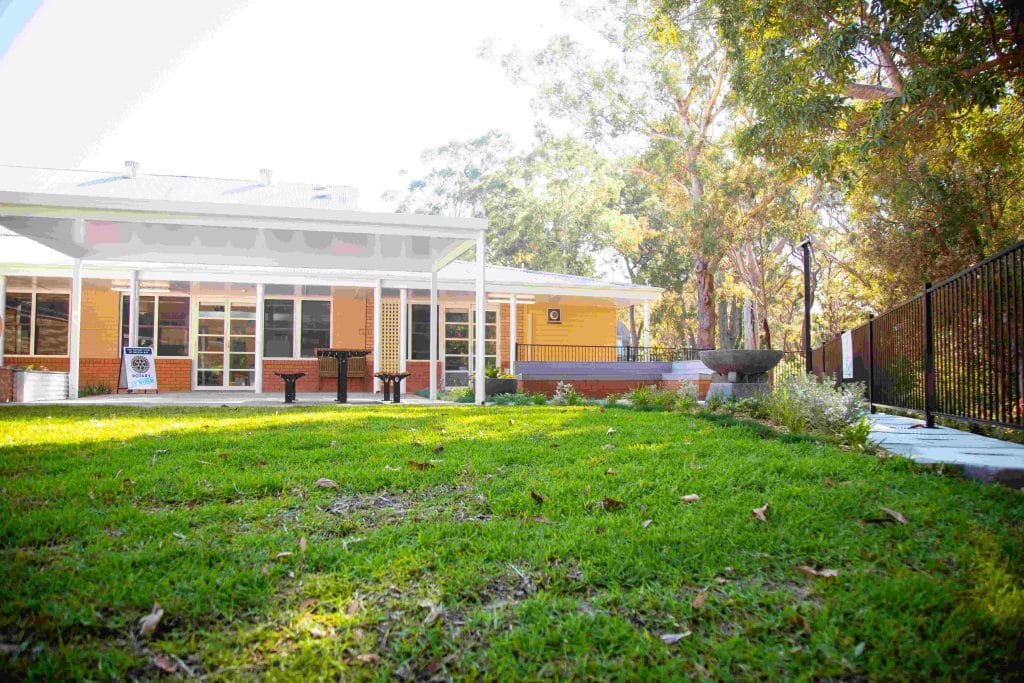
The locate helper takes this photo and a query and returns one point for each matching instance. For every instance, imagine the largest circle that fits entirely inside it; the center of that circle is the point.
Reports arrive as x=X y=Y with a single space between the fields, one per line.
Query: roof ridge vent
x=266 y=176
x=131 y=169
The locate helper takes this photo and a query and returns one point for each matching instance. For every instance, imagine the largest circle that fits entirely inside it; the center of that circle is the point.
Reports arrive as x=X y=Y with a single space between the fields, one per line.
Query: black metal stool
x=289 y=384
x=392 y=380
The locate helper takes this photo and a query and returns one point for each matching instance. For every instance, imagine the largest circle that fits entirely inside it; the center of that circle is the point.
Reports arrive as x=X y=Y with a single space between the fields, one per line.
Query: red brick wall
x=600 y=388
x=173 y=374
x=6 y=385
x=419 y=375
x=55 y=363
x=93 y=372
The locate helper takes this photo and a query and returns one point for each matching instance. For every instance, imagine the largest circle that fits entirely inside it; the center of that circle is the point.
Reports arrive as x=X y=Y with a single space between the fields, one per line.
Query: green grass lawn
x=457 y=570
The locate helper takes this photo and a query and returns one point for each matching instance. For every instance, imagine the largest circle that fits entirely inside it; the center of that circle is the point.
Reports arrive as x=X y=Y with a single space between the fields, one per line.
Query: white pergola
x=219 y=242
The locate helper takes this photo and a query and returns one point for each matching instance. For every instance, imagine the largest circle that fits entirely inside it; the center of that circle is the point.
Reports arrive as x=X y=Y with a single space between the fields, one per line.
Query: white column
x=433 y=335
x=647 y=323
x=76 y=328
x=133 y=309
x=3 y=314
x=481 y=316
x=261 y=297
x=512 y=313
x=378 y=309
x=403 y=328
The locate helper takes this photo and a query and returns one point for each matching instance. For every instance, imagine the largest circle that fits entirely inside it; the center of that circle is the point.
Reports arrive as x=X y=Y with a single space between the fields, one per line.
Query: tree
x=662 y=97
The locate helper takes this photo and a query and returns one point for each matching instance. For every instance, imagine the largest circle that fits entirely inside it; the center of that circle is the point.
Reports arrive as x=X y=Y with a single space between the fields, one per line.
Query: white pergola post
x=647 y=323
x=76 y=328
x=133 y=309
x=261 y=297
x=481 y=316
x=3 y=314
x=433 y=334
x=512 y=306
x=403 y=328
x=378 y=310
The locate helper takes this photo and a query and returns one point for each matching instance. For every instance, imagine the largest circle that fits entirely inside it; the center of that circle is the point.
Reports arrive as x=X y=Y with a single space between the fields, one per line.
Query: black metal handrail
x=956 y=350
x=580 y=353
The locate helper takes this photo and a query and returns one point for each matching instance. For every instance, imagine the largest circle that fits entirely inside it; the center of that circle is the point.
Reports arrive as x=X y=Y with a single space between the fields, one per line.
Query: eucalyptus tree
x=658 y=93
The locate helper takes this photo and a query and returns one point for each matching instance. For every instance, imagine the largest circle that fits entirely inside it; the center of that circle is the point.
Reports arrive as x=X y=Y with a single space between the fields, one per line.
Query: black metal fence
x=956 y=350
x=576 y=353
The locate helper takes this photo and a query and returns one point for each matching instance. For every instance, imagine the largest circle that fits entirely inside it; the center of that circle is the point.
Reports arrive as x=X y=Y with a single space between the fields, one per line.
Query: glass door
x=459 y=345
x=225 y=345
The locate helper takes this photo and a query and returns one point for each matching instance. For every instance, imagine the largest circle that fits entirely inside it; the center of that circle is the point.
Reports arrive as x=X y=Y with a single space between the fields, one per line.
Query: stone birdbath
x=740 y=373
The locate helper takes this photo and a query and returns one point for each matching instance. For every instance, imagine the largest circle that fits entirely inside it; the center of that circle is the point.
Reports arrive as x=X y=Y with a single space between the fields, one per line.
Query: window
x=147 y=307
x=278 y=328
x=18 y=323
x=37 y=324
x=316 y=327
x=164 y=318
x=419 y=332
x=172 y=326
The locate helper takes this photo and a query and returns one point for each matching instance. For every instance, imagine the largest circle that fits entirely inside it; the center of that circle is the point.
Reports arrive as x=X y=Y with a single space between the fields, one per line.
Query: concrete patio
x=235 y=399
x=981 y=457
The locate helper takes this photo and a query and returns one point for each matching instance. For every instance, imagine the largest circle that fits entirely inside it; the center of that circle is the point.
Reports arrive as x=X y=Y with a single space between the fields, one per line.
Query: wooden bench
x=328 y=367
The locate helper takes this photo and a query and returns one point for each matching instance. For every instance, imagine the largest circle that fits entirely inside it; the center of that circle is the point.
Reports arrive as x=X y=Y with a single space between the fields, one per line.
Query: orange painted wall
x=591 y=325
x=101 y=321
x=348 y=319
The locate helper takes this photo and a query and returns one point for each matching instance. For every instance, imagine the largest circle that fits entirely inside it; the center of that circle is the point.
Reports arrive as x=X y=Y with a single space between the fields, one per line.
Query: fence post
x=871 y=362
x=806 y=246
x=929 y=359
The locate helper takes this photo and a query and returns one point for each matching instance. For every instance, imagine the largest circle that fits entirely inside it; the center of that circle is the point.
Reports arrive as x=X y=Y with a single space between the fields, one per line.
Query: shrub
x=855 y=436
x=566 y=395
x=653 y=398
x=686 y=396
x=800 y=402
x=539 y=399
x=461 y=395
x=612 y=399
x=513 y=399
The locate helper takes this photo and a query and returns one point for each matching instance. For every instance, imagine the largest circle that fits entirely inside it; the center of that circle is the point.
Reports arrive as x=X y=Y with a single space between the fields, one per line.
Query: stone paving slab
x=980 y=457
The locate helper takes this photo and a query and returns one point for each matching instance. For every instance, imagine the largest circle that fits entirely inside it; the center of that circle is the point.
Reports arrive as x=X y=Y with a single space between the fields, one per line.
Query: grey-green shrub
x=800 y=402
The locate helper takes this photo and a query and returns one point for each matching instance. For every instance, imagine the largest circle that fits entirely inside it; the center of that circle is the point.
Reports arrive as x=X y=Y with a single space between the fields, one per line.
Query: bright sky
x=326 y=91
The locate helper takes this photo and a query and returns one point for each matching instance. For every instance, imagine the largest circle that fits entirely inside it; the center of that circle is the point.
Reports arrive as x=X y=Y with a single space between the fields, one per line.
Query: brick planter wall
x=172 y=374
x=419 y=376
x=57 y=363
x=96 y=372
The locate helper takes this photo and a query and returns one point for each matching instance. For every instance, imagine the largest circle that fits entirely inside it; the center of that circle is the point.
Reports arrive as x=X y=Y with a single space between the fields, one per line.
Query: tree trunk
x=749 y=325
x=767 y=332
x=634 y=334
x=707 y=316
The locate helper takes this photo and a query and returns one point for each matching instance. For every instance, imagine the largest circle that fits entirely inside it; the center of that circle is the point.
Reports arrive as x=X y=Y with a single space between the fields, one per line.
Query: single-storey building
x=231 y=281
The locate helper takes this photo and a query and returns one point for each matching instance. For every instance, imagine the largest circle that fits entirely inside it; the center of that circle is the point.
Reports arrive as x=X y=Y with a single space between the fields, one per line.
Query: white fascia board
x=207 y=214
x=149 y=271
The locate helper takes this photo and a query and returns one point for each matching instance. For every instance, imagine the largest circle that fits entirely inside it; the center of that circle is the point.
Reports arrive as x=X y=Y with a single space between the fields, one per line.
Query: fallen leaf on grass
x=540 y=519
x=148 y=623
x=283 y=554
x=433 y=614
x=165 y=664
x=307 y=604
x=690 y=498
x=317 y=632
x=352 y=607
x=367 y=658
x=420 y=465
x=759 y=513
x=325 y=484
x=699 y=601
x=610 y=504
x=261 y=463
x=611 y=430
x=538 y=498
x=673 y=638
x=438 y=449
x=178 y=535
x=647 y=523
x=511 y=422
x=417 y=444
x=302 y=544
x=610 y=472
x=720 y=580
x=223 y=456
x=823 y=573
x=555 y=445
x=609 y=447
x=895 y=515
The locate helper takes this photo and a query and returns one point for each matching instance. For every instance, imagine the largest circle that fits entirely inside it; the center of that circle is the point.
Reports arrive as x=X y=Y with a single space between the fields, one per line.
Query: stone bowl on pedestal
x=740 y=373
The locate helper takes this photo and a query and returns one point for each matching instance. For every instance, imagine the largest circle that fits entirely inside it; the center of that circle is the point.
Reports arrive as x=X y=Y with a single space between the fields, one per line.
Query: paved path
x=981 y=457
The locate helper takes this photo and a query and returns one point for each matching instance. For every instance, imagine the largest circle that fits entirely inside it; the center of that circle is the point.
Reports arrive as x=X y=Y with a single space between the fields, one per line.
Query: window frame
x=126 y=299
x=32 y=323
x=297 y=299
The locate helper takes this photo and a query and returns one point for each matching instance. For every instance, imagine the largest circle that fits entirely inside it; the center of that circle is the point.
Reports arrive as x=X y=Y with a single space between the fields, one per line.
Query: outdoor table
x=342 y=356
x=289 y=384
x=392 y=378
